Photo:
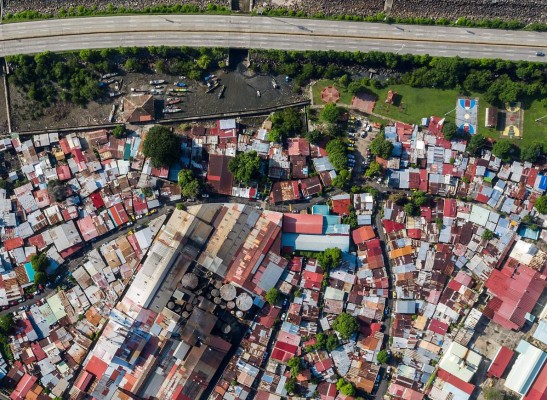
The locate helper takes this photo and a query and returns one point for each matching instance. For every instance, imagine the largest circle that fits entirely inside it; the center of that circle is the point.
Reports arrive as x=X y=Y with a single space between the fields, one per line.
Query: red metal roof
x=97 y=200
x=450 y=208
x=414 y=233
x=391 y=226
x=14 y=243
x=438 y=327
x=500 y=362
x=436 y=126
x=38 y=351
x=341 y=206
x=538 y=391
x=303 y=223
x=23 y=387
x=455 y=381
x=515 y=294
x=63 y=172
x=96 y=366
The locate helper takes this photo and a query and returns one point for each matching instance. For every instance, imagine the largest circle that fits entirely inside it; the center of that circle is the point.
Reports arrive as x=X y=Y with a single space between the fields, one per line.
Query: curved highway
x=267 y=33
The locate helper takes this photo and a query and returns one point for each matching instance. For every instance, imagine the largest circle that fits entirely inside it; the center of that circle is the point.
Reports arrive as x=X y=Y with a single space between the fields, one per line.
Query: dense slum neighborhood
x=230 y=300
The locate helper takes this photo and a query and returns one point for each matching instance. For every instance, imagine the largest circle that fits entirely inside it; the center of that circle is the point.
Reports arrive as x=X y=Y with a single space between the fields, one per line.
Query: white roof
x=526 y=368
x=460 y=361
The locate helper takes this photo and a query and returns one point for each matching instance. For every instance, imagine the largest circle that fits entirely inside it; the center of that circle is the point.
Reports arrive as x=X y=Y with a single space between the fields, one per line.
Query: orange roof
x=403 y=251
x=363 y=234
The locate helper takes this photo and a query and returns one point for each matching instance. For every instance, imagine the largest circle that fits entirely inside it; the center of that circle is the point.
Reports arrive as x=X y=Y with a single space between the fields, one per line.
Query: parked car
x=540 y=54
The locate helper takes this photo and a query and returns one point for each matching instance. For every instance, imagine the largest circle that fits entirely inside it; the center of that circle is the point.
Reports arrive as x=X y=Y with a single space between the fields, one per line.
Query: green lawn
x=345 y=96
x=413 y=104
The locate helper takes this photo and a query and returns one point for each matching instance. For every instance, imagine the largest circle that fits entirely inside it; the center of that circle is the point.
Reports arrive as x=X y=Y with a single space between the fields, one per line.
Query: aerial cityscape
x=281 y=199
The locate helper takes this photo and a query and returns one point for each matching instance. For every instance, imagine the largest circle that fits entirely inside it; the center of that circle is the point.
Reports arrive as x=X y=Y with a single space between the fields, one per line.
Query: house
x=515 y=291
x=219 y=176
x=500 y=362
x=460 y=362
x=298 y=147
x=303 y=223
x=284 y=191
x=310 y=187
x=526 y=368
x=138 y=108
x=341 y=204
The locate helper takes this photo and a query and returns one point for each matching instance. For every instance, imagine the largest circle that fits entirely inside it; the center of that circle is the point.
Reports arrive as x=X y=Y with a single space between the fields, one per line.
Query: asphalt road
x=267 y=33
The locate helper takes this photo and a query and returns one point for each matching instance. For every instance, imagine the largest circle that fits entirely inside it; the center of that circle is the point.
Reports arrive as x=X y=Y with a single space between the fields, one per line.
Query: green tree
x=295 y=364
x=487 y=235
x=330 y=258
x=342 y=179
x=411 y=209
x=503 y=150
x=381 y=147
x=332 y=343
x=475 y=144
x=190 y=186
x=439 y=222
x=40 y=278
x=351 y=220
x=132 y=65
x=541 y=204
x=119 y=131
x=39 y=262
x=345 y=324
x=330 y=113
x=161 y=67
x=290 y=385
x=204 y=62
x=336 y=149
x=7 y=324
x=374 y=169
x=531 y=152
x=275 y=135
x=162 y=146
x=420 y=198
x=493 y=394
x=345 y=387
x=287 y=121
x=382 y=357
x=272 y=296
x=245 y=166
x=314 y=136
x=450 y=130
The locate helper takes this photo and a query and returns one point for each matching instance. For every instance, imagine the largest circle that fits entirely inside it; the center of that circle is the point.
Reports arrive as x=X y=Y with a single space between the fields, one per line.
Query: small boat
x=173 y=100
x=182 y=90
x=159 y=87
x=171 y=110
x=209 y=77
x=258 y=93
x=156 y=92
x=212 y=88
x=176 y=94
x=180 y=84
x=157 y=82
x=221 y=93
x=110 y=75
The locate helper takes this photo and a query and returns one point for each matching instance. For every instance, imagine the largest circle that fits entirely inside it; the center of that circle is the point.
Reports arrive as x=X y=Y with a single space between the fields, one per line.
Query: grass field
x=413 y=104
